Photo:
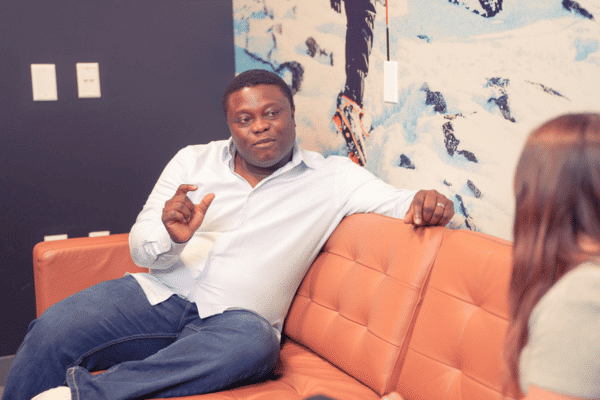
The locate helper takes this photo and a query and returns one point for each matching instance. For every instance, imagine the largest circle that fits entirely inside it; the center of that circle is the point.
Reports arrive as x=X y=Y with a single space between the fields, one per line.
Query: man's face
x=262 y=126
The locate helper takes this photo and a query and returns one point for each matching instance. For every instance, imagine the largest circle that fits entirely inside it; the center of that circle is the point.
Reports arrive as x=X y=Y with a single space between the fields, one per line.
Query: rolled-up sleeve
x=363 y=192
x=149 y=242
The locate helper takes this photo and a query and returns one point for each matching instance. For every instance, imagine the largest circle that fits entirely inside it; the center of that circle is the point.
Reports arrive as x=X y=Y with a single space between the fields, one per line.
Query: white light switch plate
x=50 y=238
x=99 y=233
x=88 y=80
x=390 y=81
x=43 y=82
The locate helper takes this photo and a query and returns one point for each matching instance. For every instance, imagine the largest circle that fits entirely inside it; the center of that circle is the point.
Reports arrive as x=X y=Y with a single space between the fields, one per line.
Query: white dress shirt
x=255 y=244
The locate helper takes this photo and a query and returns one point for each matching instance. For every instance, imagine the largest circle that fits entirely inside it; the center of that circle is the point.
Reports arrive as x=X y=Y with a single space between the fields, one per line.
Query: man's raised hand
x=181 y=217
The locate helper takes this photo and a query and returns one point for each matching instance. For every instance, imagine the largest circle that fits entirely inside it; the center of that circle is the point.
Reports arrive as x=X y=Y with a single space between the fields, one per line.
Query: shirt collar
x=298 y=156
x=228 y=151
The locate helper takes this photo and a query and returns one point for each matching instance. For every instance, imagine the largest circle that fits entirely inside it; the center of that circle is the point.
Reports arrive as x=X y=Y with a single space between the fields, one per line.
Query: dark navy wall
x=80 y=165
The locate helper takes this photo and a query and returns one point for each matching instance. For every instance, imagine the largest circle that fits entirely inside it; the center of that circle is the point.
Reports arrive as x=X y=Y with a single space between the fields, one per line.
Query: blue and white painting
x=474 y=77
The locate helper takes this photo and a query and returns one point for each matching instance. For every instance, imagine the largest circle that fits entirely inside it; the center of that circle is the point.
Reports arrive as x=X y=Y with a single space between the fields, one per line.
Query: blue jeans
x=148 y=351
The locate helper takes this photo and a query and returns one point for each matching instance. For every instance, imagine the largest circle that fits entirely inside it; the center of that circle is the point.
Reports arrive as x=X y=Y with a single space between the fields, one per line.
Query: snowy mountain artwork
x=474 y=77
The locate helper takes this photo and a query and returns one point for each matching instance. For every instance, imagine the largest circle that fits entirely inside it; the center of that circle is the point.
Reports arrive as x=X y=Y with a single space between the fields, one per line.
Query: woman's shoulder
x=563 y=350
x=581 y=284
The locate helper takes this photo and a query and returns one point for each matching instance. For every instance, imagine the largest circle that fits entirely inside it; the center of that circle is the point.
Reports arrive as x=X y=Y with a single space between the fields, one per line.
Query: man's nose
x=260 y=125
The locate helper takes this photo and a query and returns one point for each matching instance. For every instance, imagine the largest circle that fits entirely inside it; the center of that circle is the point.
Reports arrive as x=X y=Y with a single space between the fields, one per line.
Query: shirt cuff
x=176 y=248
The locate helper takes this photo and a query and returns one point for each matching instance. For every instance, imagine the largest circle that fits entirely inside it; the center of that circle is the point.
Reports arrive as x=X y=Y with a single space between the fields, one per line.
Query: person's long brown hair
x=557 y=193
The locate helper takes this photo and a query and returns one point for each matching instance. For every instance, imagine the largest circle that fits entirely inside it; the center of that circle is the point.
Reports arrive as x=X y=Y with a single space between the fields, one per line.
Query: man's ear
x=294 y=115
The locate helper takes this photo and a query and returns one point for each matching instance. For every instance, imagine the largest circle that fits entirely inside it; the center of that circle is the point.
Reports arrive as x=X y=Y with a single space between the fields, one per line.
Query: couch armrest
x=64 y=267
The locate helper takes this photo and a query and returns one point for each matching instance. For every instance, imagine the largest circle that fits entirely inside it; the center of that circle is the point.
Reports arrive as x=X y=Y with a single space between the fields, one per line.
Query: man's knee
x=50 y=328
x=257 y=337
x=72 y=317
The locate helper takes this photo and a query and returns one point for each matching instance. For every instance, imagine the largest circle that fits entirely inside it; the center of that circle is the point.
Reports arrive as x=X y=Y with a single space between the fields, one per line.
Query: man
x=227 y=234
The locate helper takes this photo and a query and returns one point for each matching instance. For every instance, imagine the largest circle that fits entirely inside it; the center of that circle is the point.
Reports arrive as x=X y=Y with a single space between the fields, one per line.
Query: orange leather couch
x=385 y=307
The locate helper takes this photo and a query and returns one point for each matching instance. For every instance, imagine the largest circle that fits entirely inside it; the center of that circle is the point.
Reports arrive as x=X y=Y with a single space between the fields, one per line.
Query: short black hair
x=254 y=77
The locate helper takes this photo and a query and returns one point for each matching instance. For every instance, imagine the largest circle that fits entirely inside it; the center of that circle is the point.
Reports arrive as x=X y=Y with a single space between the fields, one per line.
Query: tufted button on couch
x=384 y=308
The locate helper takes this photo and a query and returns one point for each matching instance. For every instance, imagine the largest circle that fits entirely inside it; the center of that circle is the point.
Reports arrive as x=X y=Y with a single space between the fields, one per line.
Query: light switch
x=390 y=81
x=50 y=238
x=88 y=80
x=99 y=233
x=43 y=82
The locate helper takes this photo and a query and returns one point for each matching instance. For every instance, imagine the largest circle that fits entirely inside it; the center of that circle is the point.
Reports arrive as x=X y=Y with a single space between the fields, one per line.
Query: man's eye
x=272 y=113
x=243 y=120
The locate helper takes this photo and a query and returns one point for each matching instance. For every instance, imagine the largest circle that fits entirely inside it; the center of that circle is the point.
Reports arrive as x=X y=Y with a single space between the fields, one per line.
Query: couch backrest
x=359 y=300
x=455 y=351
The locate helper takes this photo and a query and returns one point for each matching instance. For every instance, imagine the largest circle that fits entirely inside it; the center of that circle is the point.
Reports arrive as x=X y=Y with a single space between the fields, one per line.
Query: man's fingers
x=200 y=211
x=448 y=213
x=444 y=210
x=428 y=213
x=182 y=205
x=438 y=213
x=429 y=208
x=203 y=206
x=183 y=189
x=181 y=217
x=181 y=202
x=417 y=207
x=187 y=204
x=174 y=216
x=409 y=217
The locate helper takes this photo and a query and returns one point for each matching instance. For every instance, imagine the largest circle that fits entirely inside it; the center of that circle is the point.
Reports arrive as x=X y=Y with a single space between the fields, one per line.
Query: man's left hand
x=429 y=208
